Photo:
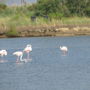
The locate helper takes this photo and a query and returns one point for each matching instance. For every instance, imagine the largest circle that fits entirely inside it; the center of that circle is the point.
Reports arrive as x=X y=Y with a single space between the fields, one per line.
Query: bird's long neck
x=28 y=55
x=60 y=47
x=21 y=57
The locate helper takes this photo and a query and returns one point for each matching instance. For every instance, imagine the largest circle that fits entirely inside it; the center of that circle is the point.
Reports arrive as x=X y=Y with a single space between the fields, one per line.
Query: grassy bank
x=11 y=25
x=14 y=19
x=22 y=20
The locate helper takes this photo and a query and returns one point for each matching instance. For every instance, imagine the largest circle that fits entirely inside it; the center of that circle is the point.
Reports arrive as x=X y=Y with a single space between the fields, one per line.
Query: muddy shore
x=60 y=30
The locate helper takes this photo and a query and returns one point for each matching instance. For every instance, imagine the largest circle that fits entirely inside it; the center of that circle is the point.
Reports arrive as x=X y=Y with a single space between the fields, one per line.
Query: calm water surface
x=49 y=69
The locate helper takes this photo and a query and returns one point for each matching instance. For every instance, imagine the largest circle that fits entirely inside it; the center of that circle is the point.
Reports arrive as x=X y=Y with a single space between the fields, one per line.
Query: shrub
x=56 y=15
x=3 y=6
x=12 y=32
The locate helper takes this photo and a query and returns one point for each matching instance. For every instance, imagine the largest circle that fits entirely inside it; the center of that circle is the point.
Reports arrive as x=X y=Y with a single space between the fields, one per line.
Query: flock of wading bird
x=27 y=50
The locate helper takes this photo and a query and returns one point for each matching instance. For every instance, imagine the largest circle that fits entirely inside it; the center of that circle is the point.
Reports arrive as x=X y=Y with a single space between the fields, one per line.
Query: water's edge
x=37 y=31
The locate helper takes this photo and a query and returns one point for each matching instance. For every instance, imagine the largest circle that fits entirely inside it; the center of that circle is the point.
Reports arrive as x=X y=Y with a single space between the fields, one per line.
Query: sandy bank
x=61 y=30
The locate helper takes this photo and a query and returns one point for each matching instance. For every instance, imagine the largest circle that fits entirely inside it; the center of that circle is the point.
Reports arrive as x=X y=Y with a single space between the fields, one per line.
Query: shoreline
x=41 y=31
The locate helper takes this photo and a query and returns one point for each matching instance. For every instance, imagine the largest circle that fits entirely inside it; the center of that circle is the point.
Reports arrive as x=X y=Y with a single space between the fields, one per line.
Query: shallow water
x=49 y=69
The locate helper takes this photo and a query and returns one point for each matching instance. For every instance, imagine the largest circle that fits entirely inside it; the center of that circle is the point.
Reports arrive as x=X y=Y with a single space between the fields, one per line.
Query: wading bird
x=28 y=49
x=64 y=49
x=19 y=55
x=3 y=53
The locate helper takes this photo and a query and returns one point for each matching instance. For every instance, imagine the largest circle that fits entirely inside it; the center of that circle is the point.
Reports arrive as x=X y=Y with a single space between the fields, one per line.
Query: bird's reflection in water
x=29 y=60
x=64 y=54
x=24 y=61
x=3 y=61
x=19 y=63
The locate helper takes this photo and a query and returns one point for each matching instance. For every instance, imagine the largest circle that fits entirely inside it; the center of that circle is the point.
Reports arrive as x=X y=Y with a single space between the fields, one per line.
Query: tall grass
x=12 y=32
x=76 y=20
x=19 y=16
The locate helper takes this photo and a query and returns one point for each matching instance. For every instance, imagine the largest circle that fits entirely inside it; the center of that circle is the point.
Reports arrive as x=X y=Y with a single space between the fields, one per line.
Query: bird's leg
x=64 y=53
x=28 y=56
x=1 y=57
x=17 y=59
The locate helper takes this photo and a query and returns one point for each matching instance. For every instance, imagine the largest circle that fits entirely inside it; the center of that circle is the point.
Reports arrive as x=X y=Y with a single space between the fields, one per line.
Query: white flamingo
x=64 y=49
x=3 y=53
x=28 y=49
x=19 y=55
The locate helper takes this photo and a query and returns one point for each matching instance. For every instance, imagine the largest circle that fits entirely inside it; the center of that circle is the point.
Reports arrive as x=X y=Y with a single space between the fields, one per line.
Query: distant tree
x=56 y=7
x=78 y=7
x=87 y=9
x=3 y=6
x=62 y=7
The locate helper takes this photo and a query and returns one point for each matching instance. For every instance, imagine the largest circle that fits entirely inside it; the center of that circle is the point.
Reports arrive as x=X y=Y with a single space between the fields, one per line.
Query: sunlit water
x=49 y=69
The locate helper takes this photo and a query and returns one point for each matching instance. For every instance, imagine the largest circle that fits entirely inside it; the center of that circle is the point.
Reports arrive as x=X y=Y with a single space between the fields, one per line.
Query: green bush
x=12 y=32
x=56 y=15
x=3 y=6
x=67 y=8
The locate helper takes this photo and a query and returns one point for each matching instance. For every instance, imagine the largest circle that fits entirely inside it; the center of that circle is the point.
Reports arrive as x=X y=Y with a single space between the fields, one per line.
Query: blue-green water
x=49 y=69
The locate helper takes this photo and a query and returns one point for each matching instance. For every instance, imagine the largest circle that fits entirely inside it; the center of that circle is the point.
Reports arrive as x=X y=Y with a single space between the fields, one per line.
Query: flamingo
x=64 y=49
x=3 y=53
x=28 y=49
x=19 y=55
